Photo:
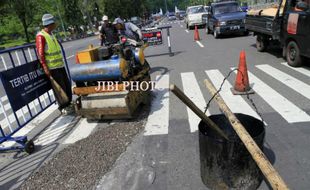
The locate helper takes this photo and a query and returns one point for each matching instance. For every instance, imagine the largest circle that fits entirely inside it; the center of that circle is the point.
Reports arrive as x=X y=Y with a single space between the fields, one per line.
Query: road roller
x=113 y=81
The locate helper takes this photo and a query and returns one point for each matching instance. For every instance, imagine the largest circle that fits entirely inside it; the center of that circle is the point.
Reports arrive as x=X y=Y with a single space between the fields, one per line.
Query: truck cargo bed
x=264 y=25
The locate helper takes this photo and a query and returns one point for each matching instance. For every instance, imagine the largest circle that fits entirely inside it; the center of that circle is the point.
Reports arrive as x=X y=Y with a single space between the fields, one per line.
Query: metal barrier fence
x=11 y=121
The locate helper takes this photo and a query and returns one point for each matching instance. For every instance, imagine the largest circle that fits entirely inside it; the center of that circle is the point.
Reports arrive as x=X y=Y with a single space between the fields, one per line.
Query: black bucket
x=228 y=164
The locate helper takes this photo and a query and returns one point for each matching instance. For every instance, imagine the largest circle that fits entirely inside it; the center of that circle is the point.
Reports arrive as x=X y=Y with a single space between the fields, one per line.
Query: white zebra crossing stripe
x=300 y=69
x=236 y=103
x=290 y=112
x=200 y=44
x=295 y=84
x=54 y=131
x=81 y=131
x=158 y=120
x=192 y=90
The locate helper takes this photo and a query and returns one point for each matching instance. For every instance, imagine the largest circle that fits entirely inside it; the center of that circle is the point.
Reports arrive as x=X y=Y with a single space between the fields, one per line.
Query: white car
x=194 y=16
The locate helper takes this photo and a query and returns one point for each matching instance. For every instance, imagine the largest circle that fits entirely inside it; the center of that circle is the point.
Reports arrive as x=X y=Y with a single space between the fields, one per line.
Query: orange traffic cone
x=196 y=34
x=242 y=85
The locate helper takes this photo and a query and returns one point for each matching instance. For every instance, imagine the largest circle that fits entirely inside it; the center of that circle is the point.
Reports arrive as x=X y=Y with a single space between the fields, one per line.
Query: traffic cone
x=196 y=34
x=242 y=85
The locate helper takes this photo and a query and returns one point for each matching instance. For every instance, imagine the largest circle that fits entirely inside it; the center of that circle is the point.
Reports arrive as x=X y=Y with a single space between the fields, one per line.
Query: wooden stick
x=263 y=163
x=196 y=110
x=59 y=92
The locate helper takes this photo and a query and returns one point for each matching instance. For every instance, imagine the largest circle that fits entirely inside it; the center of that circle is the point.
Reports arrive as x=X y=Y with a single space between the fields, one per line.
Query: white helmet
x=105 y=17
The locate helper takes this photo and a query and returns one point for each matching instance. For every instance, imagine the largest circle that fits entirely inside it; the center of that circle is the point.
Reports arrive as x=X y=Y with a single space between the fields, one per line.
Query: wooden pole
x=261 y=160
x=59 y=92
x=196 y=110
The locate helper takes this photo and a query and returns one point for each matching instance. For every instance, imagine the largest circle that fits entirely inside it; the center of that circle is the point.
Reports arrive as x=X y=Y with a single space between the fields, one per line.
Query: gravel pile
x=81 y=165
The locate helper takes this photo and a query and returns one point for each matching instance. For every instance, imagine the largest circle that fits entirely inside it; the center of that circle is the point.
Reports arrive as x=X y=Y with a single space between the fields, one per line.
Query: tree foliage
x=22 y=18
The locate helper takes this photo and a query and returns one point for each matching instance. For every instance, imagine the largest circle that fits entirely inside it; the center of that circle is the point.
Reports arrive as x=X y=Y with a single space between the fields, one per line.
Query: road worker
x=51 y=59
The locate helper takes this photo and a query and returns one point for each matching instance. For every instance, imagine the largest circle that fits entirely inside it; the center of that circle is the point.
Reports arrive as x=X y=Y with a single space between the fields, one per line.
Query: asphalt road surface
x=166 y=154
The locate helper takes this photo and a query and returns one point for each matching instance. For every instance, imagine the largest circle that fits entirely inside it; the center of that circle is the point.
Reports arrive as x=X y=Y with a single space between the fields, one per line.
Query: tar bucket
x=228 y=164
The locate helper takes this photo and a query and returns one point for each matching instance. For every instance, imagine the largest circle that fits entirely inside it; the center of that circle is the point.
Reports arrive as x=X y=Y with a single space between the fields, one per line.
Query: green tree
x=24 y=10
x=72 y=13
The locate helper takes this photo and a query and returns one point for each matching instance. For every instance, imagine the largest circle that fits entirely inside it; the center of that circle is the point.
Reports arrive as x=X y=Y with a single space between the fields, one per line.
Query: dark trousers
x=61 y=77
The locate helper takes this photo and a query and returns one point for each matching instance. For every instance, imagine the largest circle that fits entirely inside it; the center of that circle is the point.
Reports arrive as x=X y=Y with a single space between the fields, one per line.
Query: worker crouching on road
x=108 y=33
x=128 y=29
x=50 y=55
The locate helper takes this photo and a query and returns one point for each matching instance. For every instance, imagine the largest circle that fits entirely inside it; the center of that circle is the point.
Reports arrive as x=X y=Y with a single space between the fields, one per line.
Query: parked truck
x=286 y=24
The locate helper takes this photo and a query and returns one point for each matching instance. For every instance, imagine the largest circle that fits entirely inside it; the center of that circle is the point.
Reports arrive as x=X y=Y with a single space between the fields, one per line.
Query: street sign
x=153 y=37
x=24 y=83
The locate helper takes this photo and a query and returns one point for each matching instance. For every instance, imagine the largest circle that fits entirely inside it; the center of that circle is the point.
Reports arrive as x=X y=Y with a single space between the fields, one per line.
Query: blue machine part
x=139 y=55
x=97 y=71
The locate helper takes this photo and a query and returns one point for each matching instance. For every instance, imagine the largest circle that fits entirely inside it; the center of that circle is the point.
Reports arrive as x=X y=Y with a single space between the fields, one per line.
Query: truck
x=286 y=24
x=226 y=18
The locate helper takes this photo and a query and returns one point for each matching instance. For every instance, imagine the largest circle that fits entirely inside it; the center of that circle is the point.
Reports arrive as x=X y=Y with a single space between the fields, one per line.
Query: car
x=226 y=18
x=171 y=16
x=194 y=16
x=136 y=21
x=180 y=15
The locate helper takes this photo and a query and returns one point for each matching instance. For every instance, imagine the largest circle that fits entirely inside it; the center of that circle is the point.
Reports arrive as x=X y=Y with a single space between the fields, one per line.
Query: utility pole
x=166 y=6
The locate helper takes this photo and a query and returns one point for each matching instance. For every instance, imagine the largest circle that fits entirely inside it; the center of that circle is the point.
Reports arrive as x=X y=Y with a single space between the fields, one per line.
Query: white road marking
x=186 y=31
x=200 y=44
x=158 y=120
x=83 y=130
x=295 y=84
x=70 y=56
x=53 y=132
x=192 y=90
x=236 y=103
x=300 y=69
x=290 y=112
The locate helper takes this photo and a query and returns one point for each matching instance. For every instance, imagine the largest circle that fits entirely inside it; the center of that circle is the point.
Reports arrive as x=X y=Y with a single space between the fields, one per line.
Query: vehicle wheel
x=261 y=43
x=29 y=147
x=215 y=34
x=293 y=54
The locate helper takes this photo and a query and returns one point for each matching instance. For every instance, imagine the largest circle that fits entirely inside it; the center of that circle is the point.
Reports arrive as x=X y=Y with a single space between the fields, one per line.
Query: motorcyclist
x=128 y=29
x=108 y=33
